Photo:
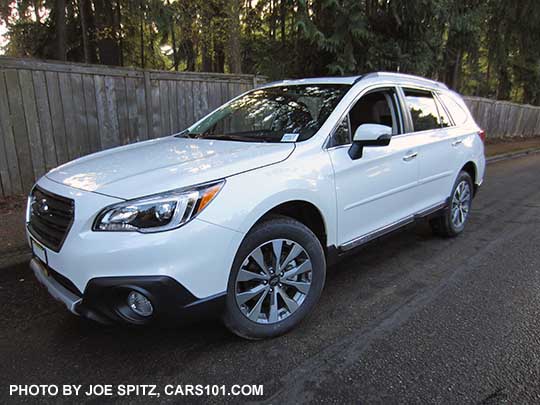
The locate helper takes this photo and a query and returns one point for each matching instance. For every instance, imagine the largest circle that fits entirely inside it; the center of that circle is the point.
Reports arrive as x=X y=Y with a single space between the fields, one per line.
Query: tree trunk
x=206 y=38
x=141 y=28
x=119 y=33
x=107 y=44
x=36 y=11
x=174 y=48
x=505 y=85
x=218 y=63
x=235 y=53
x=283 y=19
x=60 y=28
x=84 y=31
x=191 y=54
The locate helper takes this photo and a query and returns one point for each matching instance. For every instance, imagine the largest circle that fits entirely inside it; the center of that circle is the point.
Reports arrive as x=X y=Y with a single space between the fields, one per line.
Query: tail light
x=482 y=135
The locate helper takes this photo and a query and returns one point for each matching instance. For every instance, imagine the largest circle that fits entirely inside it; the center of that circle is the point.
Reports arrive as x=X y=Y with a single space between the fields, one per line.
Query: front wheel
x=277 y=278
x=452 y=222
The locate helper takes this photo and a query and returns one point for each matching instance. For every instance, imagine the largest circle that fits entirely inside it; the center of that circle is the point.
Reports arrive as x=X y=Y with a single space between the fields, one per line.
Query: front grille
x=51 y=217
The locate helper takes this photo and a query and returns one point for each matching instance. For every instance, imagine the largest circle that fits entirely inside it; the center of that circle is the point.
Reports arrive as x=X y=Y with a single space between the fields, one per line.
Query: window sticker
x=289 y=138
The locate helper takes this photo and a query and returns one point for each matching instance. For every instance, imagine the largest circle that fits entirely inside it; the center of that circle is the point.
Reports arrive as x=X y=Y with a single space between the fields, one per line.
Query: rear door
x=437 y=151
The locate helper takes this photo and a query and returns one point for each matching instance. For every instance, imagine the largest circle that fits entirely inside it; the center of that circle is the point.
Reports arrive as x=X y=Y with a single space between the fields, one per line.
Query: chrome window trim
x=434 y=92
x=362 y=93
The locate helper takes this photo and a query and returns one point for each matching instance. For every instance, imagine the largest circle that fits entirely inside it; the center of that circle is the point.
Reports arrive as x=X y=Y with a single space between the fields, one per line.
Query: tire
x=446 y=225
x=250 y=310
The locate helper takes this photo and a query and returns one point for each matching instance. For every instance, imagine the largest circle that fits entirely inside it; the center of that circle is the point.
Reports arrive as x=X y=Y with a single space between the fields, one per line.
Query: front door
x=377 y=190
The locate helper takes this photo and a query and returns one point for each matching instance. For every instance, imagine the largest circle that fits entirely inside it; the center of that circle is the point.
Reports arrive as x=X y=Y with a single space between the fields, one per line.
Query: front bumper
x=57 y=290
x=104 y=298
x=198 y=256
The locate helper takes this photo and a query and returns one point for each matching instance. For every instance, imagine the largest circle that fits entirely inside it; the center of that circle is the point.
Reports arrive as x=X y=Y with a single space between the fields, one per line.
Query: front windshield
x=273 y=114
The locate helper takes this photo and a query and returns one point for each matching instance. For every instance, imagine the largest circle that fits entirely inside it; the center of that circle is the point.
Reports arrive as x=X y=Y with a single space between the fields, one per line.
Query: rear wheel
x=452 y=222
x=276 y=280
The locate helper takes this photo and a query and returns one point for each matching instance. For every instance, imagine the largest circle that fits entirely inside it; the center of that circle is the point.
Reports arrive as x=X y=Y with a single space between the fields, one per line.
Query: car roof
x=396 y=78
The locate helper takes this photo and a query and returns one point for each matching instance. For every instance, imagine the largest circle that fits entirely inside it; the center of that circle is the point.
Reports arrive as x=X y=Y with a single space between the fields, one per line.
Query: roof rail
x=412 y=78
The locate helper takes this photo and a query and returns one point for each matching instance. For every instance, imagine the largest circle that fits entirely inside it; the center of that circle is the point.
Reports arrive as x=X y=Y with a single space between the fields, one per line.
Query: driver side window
x=377 y=107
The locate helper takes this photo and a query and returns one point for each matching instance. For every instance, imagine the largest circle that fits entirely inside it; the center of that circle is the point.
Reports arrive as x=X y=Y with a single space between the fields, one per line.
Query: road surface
x=410 y=318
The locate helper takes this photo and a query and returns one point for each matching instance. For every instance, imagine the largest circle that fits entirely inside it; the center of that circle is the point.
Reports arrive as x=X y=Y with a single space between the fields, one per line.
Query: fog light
x=140 y=304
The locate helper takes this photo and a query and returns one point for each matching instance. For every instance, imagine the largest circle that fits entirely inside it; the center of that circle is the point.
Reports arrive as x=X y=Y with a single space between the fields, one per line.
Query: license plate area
x=39 y=251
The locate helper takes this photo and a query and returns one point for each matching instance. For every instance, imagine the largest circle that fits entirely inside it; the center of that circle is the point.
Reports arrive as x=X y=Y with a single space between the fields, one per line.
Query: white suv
x=240 y=214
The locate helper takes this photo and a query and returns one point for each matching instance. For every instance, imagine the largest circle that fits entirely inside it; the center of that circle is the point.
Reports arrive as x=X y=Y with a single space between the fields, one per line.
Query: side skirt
x=430 y=211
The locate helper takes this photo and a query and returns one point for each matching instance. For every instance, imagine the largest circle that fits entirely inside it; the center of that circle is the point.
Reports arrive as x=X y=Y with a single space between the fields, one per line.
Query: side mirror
x=369 y=135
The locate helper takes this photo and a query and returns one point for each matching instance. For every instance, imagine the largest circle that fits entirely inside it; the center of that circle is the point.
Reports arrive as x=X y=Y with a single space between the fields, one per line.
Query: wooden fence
x=51 y=113
x=504 y=119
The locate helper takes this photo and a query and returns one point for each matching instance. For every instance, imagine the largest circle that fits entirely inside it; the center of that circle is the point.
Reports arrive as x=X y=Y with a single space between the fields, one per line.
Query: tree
x=60 y=28
x=480 y=47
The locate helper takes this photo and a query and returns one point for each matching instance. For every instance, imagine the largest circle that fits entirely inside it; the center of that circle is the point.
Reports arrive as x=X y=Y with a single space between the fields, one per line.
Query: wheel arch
x=472 y=170
x=304 y=212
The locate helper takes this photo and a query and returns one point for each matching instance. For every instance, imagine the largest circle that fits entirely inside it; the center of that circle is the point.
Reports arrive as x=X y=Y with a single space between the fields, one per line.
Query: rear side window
x=423 y=109
x=445 y=118
x=457 y=112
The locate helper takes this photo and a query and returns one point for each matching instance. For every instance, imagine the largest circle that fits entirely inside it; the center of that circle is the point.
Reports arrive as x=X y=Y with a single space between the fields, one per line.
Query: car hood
x=164 y=164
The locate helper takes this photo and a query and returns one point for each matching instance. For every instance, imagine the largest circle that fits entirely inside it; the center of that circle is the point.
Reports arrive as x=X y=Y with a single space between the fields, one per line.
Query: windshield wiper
x=184 y=134
x=239 y=138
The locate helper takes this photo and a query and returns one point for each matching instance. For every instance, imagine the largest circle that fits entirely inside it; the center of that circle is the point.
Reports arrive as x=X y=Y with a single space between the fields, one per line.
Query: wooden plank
x=536 y=130
x=32 y=122
x=245 y=87
x=490 y=122
x=531 y=120
x=67 y=67
x=142 y=123
x=232 y=90
x=112 y=138
x=225 y=94
x=9 y=166
x=66 y=95
x=527 y=121
x=199 y=76
x=105 y=121
x=45 y=122
x=148 y=105
x=191 y=102
x=173 y=106
x=164 y=110
x=214 y=96
x=121 y=109
x=57 y=116
x=132 y=111
x=205 y=107
x=20 y=133
x=116 y=71
x=80 y=137
x=237 y=89
x=181 y=105
x=5 y=180
x=94 y=141
x=156 y=110
x=101 y=110
x=197 y=105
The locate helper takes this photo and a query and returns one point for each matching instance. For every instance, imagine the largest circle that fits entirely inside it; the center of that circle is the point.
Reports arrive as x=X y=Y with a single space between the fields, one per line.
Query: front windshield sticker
x=289 y=138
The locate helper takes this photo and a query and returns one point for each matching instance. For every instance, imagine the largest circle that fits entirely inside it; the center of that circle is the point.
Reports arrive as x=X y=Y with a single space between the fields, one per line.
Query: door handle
x=408 y=158
x=457 y=143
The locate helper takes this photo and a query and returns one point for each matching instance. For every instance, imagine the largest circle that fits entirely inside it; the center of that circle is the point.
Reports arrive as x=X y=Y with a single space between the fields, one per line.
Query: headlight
x=159 y=212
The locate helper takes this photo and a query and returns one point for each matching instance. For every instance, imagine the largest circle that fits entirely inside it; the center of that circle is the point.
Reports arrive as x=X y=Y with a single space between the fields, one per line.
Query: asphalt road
x=410 y=318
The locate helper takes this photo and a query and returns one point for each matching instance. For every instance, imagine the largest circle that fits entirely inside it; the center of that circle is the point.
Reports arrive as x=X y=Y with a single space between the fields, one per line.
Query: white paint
x=354 y=197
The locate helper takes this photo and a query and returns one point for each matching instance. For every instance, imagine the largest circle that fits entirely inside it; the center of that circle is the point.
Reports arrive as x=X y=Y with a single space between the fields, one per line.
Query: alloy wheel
x=461 y=203
x=273 y=281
